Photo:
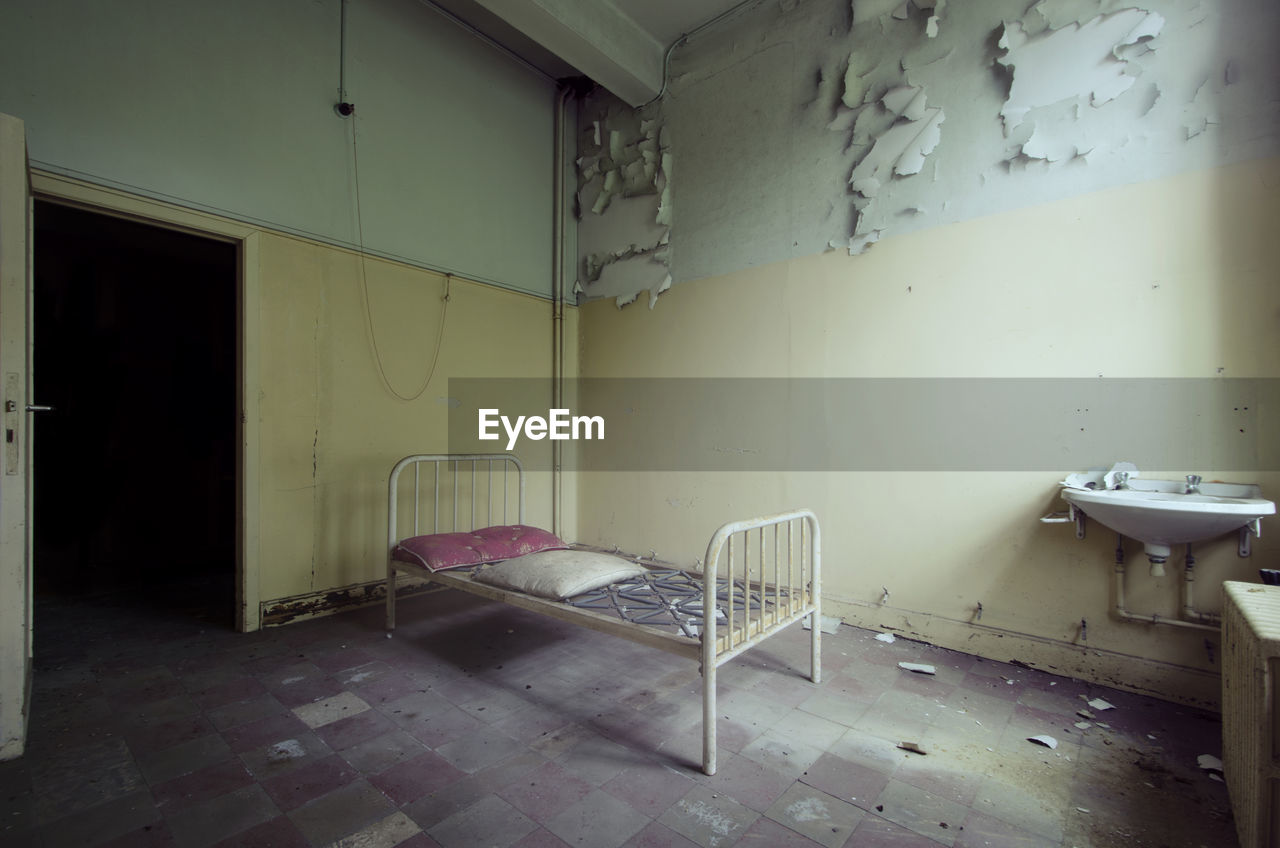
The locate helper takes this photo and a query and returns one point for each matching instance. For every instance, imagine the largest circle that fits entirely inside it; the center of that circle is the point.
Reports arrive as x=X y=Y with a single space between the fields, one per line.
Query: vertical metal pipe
x=815 y=564
x=392 y=539
x=342 y=53
x=1189 y=611
x=558 y=302
x=1121 y=608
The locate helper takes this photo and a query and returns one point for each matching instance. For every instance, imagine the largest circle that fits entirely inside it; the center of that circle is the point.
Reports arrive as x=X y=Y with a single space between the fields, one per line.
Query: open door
x=15 y=479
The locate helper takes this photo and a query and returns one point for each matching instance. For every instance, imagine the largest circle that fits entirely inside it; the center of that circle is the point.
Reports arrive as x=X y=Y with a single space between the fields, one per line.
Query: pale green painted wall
x=228 y=107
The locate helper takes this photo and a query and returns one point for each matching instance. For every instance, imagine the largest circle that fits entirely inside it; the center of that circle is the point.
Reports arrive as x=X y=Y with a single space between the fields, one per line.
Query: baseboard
x=1167 y=681
x=329 y=601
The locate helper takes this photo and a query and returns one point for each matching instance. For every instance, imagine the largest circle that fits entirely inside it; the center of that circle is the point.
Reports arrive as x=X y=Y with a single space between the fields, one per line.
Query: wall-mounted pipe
x=1189 y=611
x=557 y=302
x=666 y=56
x=1122 y=612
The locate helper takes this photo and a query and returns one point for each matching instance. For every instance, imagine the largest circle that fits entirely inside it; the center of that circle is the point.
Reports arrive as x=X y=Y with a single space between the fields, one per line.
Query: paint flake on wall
x=1201 y=112
x=884 y=112
x=892 y=128
x=1043 y=144
x=899 y=10
x=870 y=10
x=1078 y=61
x=912 y=115
x=935 y=19
x=901 y=149
x=624 y=204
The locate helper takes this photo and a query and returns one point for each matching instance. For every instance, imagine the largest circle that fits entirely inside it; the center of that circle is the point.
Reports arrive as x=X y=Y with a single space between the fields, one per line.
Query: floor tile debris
x=481 y=724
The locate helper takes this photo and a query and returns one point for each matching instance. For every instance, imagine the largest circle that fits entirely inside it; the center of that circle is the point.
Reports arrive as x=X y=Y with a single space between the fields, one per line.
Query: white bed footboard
x=759 y=575
x=773 y=565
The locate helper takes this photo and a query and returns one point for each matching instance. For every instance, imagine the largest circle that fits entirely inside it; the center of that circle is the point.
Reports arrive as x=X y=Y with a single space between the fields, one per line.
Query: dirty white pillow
x=558 y=574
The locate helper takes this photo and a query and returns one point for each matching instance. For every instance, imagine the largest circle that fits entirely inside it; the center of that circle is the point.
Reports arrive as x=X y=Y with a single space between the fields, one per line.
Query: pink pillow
x=439 y=551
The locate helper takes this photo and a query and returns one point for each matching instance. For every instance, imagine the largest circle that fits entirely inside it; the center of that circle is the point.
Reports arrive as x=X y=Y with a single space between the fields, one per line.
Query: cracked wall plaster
x=802 y=127
x=623 y=203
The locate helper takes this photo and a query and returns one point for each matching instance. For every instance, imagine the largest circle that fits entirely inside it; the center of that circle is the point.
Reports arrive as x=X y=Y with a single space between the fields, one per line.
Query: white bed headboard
x=448 y=493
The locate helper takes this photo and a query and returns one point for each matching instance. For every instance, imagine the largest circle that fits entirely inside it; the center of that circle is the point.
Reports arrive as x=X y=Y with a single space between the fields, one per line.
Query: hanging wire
x=342 y=55
x=364 y=274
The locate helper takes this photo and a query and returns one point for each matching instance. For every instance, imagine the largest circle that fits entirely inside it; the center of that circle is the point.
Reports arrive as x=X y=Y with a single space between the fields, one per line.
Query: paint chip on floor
x=830 y=624
x=809 y=809
x=385 y=833
x=1209 y=762
x=289 y=749
x=320 y=713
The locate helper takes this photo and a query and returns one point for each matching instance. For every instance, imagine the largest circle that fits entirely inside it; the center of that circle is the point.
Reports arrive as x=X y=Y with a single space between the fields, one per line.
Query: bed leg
x=391 y=600
x=709 y=718
x=815 y=647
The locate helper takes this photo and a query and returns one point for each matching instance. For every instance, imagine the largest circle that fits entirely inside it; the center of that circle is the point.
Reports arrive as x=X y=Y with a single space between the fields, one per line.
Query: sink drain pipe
x=1188 y=608
x=1189 y=611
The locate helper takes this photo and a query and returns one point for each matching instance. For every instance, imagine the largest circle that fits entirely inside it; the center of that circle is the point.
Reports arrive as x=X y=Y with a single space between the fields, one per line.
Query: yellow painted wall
x=321 y=429
x=331 y=429
x=1169 y=278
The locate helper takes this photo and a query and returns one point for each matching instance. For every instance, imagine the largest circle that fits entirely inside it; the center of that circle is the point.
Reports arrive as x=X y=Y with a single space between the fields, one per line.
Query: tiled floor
x=480 y=725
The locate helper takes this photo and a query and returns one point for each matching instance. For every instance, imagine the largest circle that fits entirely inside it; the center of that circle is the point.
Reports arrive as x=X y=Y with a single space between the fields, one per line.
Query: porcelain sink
x=1159 y=514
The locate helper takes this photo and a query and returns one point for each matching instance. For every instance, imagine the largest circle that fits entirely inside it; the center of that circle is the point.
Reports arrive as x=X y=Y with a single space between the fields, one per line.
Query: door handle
x=35 y=407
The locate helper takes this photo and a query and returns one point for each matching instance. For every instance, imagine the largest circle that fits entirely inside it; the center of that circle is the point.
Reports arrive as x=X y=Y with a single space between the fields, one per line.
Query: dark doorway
x=135 y=469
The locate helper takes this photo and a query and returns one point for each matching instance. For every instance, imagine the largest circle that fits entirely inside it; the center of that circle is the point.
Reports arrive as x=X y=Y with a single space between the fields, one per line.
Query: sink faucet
x=1122 y=479
x=1193 y=484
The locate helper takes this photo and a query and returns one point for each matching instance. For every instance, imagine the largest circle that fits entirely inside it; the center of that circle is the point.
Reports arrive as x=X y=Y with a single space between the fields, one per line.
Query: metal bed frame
x=770 y=578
